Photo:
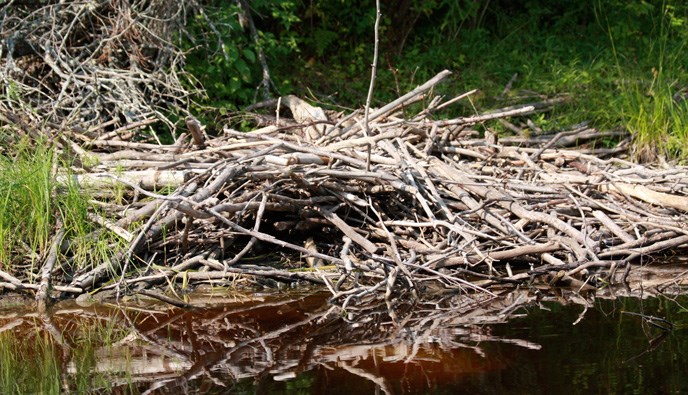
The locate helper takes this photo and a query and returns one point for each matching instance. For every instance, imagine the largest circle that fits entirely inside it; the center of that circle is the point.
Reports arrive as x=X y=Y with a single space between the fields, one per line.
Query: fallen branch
x=434 y=211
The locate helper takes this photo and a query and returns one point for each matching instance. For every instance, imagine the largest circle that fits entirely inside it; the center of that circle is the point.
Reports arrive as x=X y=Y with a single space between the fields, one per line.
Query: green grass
x=33 y=204
x=658 y=123
x=35 y=363
x=26 y=208
x=652 y=100
x=27 y=368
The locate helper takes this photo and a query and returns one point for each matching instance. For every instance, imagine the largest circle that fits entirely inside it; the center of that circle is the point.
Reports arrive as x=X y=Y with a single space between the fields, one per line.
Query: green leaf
x=232 y=53
x=249 y=55
x=234 y=84
x=243 y=69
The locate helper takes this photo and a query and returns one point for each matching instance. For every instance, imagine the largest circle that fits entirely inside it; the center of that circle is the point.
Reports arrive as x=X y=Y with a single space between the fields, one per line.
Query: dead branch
x=436 y=211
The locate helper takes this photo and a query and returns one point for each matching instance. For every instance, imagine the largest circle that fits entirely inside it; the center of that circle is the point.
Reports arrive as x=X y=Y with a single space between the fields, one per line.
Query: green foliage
x=221 y=64
x=601 y=54
x=223 y=56
x=33 y=202
x=33 y=362
x=652 y=96
x=28 y=368
x=26 y=215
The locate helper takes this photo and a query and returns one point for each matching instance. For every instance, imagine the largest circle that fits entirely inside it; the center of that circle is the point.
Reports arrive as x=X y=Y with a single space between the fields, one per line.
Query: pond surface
x=288 y=343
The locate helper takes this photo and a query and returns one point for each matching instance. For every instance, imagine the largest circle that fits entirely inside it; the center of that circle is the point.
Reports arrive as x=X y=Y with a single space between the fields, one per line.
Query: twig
x=373 y=74
x=44 y=288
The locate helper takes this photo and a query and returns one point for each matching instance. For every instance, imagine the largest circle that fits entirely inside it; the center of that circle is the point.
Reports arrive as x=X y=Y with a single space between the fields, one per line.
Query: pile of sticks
x=97 y=65
x=395 y=210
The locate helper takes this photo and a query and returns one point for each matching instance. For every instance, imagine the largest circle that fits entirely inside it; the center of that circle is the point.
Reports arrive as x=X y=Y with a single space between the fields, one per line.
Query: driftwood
x=431 y=210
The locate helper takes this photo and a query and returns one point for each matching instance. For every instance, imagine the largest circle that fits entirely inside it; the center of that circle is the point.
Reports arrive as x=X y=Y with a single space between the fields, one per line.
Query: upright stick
x=373 y=72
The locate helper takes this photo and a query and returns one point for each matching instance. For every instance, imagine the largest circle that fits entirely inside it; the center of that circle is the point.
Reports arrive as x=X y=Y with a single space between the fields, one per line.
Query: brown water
x=287 y=343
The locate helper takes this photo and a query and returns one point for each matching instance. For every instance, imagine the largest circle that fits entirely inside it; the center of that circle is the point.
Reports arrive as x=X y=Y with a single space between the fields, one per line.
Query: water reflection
x=295 y=343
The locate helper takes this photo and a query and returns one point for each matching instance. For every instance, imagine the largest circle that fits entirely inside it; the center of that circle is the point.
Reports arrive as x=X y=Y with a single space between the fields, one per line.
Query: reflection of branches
x=656 y=322
x=11 y=325
x=654 y=343
x=664 y=326
x=305 y=341
x=215 y=360
x=158 y=346
x=379 y=381
x=50 y=328
x=280 y=337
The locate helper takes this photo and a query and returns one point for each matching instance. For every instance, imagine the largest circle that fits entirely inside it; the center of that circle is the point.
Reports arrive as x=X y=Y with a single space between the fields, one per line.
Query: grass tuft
x=26 y=204
x=33 y=204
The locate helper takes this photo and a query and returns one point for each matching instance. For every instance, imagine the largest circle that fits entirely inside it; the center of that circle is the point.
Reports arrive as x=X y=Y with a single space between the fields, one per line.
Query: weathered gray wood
x=433 y=206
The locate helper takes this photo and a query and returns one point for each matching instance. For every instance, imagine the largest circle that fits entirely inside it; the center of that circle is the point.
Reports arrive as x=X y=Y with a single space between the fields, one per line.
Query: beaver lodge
x=396 y=213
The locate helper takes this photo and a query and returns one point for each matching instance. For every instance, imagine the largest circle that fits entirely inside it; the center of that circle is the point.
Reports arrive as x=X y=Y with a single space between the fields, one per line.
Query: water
x=606 y=352
x=287 y=343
